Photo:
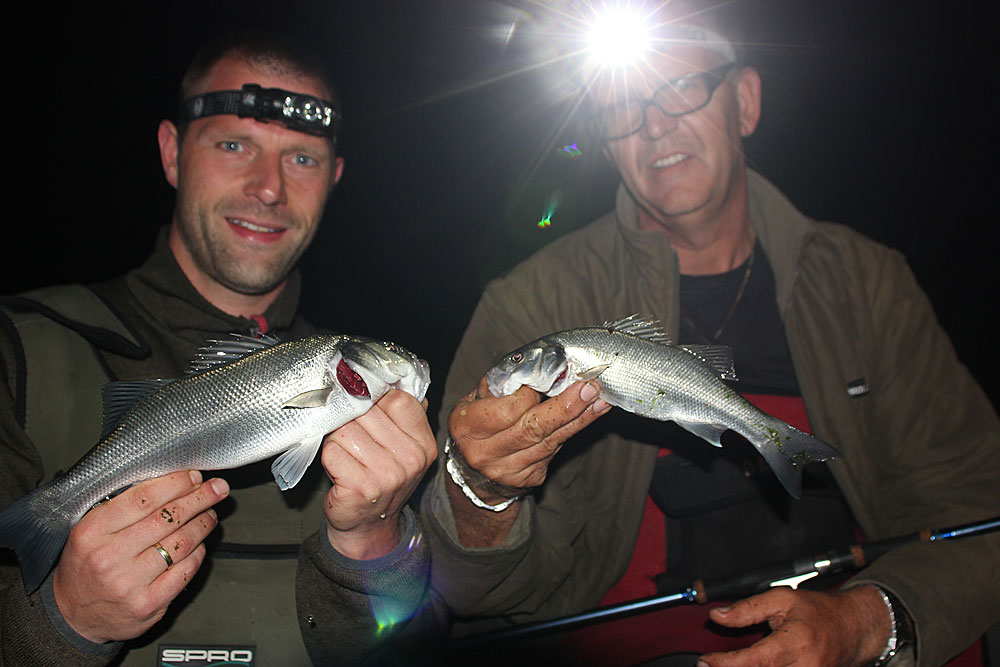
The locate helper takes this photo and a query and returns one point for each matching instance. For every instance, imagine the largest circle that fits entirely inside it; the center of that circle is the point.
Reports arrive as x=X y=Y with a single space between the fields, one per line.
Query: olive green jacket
x=271 y=579
x=921 y=449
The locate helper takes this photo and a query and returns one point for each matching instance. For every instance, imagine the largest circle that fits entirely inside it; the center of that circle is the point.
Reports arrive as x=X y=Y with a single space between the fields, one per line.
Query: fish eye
x=517 y=357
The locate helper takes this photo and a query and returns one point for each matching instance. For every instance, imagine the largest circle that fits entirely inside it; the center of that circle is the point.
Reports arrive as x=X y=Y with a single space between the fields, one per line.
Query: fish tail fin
x=37 y=540
x=788 y=450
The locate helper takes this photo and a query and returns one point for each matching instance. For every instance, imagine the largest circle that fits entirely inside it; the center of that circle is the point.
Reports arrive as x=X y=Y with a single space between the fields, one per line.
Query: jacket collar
x=162 y=289
x=783 y=232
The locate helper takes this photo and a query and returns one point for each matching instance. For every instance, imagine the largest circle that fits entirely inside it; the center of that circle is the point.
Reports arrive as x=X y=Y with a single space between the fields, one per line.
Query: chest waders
x=243 y=597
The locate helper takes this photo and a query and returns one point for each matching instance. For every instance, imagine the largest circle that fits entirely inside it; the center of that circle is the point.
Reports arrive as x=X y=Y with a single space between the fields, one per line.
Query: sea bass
x=243 y=401
x=643 y=372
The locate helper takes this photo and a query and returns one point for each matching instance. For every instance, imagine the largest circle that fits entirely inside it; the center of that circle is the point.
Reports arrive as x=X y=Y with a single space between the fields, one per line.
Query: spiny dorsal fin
x=718 y=357
x=120 y=397
x=640 y=327
x=220 y=352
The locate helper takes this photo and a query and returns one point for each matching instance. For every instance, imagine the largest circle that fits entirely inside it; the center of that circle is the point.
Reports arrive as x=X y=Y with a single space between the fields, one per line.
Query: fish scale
x=641 y=371
x=246 y=400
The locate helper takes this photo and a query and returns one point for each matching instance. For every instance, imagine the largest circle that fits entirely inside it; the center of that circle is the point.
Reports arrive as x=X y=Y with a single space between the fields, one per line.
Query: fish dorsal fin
x=718 y=357
x=640 y=327
x=289 y=468
x=120 y=397
x=221 y=352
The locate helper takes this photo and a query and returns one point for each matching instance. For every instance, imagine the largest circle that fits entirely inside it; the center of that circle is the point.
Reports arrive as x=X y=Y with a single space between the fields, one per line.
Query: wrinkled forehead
x=663 y=63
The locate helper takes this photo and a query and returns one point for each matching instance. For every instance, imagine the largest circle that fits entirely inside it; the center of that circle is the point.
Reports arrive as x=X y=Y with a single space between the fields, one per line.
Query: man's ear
x=748 y=93
x=338 y=171
x=169 y=142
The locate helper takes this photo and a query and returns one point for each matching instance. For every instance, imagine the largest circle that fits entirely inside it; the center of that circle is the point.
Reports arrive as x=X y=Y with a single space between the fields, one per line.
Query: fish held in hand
x=244 y=400
x=643 y=372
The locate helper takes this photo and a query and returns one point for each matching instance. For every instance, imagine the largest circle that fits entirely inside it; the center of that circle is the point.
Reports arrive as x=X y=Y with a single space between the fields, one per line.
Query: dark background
x=877 y=114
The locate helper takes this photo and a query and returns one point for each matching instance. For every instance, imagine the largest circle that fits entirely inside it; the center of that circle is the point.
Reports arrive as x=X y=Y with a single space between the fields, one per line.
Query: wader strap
x=59 y=330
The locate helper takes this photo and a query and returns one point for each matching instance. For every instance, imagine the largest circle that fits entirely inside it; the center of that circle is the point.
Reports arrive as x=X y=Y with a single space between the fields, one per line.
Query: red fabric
x=684 y=628
x=261 y=321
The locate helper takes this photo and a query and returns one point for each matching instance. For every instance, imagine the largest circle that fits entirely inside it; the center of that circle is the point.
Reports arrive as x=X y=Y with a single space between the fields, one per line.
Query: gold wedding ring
x=166 y=555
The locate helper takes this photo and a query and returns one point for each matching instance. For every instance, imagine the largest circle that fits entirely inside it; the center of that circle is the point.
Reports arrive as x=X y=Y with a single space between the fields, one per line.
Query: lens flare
x=618 y=36
x=550 y=209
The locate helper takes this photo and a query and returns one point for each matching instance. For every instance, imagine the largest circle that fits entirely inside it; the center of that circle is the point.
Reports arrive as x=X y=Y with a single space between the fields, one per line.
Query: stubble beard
x=215 y=256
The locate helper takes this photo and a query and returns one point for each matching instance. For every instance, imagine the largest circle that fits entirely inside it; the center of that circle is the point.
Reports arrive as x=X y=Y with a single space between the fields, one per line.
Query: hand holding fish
x=849 y=627
x=375 y=463
x=111 y=582
x=511 y=440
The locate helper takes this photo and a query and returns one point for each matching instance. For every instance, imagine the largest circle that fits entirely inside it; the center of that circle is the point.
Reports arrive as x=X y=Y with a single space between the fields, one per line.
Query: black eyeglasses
x=675 y=98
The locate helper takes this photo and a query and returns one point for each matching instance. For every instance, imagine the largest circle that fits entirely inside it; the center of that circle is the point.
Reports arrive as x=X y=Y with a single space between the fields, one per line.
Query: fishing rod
x=784 y=573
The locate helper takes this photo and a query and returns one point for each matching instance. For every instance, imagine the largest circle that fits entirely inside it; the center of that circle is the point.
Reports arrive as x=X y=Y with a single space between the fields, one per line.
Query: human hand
x=511 y=440
x=375 y=462
x=111 y=582
x=849 y=627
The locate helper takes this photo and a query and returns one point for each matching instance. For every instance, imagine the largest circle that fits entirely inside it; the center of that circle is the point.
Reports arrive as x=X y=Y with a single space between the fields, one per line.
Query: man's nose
x=266 y=180
x=658 y=123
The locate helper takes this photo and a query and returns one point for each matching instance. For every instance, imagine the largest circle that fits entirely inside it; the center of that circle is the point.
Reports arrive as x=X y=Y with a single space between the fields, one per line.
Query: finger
x=480 y=415
x=400 y=423
x=769 y=607
x=172 y=515
x=556 y=419
x=573 y=410
x=350 y=458
x=146 y=497
x=173 y=549
x=172 y=581
x=768 y=652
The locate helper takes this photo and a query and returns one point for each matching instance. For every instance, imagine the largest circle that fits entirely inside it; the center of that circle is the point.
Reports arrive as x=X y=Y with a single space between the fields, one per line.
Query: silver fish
x=244 y=400
x=642 y=372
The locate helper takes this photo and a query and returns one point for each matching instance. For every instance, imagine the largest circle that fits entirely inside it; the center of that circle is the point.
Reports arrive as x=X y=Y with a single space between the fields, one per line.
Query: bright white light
x=618 y=37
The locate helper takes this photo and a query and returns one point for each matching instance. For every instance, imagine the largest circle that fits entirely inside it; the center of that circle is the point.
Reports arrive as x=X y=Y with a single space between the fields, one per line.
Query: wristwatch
x=902 y=627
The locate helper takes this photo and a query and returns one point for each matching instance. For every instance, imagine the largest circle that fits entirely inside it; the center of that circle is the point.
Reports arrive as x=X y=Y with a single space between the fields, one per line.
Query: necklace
x=732 y=309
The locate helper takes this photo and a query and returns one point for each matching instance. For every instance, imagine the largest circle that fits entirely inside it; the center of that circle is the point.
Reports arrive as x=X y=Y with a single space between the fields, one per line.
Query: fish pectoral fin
x=710 y=433
x=289 y=468
x=310 y=399
x=592 y=373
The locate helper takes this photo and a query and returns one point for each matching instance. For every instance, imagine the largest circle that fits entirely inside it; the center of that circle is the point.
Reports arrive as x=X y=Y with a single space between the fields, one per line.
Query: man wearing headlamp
x=253 y=161
x=829 y=328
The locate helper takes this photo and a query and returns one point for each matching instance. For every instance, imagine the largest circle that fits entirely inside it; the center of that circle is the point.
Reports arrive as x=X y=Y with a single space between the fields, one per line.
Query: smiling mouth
x=245 y=224
x=669 y=161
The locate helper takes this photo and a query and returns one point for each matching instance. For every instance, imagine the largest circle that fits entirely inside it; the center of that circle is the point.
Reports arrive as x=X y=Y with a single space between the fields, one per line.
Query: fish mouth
x=559 y=378
x=352 y=383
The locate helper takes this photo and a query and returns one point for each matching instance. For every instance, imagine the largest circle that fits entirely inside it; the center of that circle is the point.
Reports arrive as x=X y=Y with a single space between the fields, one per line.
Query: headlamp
x=302 y=113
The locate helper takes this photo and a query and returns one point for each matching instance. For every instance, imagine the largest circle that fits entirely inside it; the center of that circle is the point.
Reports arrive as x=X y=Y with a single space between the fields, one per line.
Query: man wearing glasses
x=816 y=316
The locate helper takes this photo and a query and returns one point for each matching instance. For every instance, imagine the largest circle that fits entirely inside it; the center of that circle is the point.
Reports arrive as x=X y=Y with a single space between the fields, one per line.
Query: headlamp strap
x=312 y=115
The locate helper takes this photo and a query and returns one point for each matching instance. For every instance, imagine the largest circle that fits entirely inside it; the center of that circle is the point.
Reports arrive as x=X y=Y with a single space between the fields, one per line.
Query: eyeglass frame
x=715 y=76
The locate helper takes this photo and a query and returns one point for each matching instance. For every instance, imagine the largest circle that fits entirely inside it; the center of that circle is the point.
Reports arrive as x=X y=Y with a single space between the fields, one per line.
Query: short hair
x=267 y=50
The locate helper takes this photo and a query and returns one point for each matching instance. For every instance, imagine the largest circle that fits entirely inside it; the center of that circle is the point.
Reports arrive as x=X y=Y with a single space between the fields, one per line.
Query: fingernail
x=588 y=392
x=702 y=663
x=601 y=406
x=195 y=477
x=211 y=513
x=723 y=610
x=220 y=486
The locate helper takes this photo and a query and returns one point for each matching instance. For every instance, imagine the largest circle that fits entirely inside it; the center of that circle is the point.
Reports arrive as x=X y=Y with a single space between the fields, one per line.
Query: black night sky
x=877 y=114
